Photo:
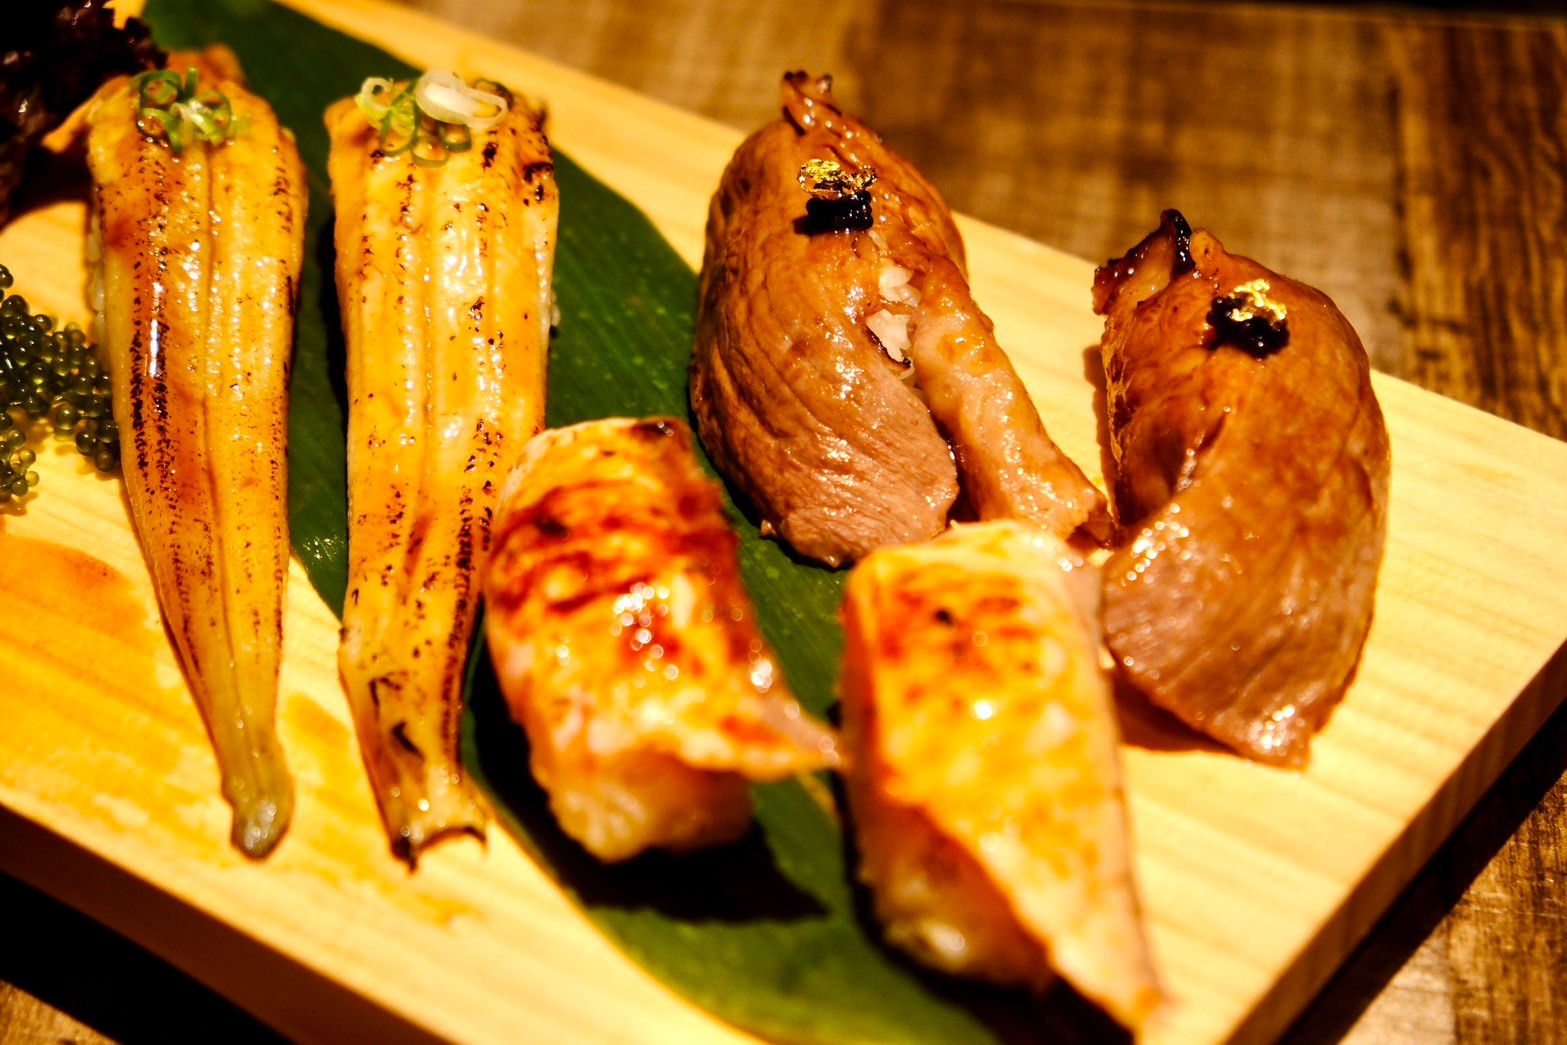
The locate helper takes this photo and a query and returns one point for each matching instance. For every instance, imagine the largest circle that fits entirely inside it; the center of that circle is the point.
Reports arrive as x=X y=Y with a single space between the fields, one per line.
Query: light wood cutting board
x=1257 y=882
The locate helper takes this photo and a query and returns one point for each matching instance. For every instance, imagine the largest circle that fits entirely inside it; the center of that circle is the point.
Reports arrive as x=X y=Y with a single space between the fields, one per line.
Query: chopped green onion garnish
x=455 y=137
x=178 y=112
x=375 y=97
x=428 y=151
x=433 y=117
x=158 y=89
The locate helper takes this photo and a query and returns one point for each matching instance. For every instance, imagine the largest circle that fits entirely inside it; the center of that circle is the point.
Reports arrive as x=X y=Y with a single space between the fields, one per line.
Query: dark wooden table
x=1410 y=162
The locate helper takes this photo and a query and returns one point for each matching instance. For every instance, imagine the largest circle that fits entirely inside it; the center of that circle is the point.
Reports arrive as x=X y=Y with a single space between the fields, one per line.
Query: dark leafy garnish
x=55 y=55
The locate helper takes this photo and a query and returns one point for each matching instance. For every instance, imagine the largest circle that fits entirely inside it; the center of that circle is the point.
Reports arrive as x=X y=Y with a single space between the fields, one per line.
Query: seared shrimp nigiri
x=444 y=263
x=843 y=376
x=627 y=647
x=1252 y=471
x=197 y=233
x=984 y=781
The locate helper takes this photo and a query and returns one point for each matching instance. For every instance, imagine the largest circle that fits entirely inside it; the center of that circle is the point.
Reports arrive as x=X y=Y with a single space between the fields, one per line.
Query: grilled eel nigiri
x=1252 y=485
x=843 y=376
x=196 y=265
x=984 y=780
x=443 y=276
x=627 y=647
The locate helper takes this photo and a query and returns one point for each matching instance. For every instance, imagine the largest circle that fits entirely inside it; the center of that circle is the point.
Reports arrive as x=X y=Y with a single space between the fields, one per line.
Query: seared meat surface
x=843 y=376
x=1251 y=488
x=627 y=647
x=984 y=780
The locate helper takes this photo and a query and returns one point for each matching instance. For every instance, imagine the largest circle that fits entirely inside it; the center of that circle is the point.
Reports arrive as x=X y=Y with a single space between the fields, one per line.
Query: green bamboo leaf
x=770 y=933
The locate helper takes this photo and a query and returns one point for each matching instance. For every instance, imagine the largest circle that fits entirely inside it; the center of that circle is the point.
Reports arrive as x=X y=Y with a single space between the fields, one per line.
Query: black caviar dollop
x=848 y=213
x=1238 y=322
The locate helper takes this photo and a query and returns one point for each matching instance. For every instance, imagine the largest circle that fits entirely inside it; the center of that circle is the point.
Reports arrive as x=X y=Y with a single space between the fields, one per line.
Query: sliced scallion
x=432 y=117
x=177 y=111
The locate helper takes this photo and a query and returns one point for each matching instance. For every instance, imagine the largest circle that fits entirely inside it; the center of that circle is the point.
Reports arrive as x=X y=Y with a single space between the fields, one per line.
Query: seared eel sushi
x=627 y=647
x=445 y=234
x=984 y=781
x=843 y=376
x=197 y=231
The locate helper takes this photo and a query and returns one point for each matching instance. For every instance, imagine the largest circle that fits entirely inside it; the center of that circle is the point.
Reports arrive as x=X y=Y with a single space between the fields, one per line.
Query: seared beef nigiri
x=443 y=275
x=984 y=780
x=627 y=647
x=843 y=376
x=197 y=234
x=1252 y=483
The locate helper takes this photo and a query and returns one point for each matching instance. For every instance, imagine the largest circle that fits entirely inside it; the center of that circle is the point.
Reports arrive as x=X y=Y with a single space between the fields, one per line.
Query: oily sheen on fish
x=843 y=377
x=196 y=259
x=627 y=647
x=984 y=783
x=443 y=276
x=1251 y=488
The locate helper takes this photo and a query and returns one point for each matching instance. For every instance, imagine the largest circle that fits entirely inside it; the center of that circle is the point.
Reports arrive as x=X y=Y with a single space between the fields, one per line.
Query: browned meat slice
x=839 y=350
x=1251 y=487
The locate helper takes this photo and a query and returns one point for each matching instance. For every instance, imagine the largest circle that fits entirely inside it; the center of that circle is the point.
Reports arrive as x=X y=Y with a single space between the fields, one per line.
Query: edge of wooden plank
x=137 y=793
x=297 y=1001
x=1366 y=904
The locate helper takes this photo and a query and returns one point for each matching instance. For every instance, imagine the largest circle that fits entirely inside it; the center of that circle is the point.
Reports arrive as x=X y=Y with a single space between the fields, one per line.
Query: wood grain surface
x=1409 y=164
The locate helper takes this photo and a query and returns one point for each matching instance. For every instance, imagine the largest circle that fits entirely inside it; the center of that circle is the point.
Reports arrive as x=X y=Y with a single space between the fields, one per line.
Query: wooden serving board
x=1257 y=882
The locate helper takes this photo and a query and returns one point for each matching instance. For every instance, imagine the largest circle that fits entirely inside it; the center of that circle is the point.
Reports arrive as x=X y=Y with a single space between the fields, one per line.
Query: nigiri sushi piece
x=984 y=781
x=197 y=232
x=1252 y=472
x=843 y=376
x=627 y=647
x=444 y=264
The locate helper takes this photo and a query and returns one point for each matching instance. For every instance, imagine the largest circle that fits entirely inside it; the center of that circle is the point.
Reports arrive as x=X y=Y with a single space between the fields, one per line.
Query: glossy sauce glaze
x=196 y=261
x=443 y=280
